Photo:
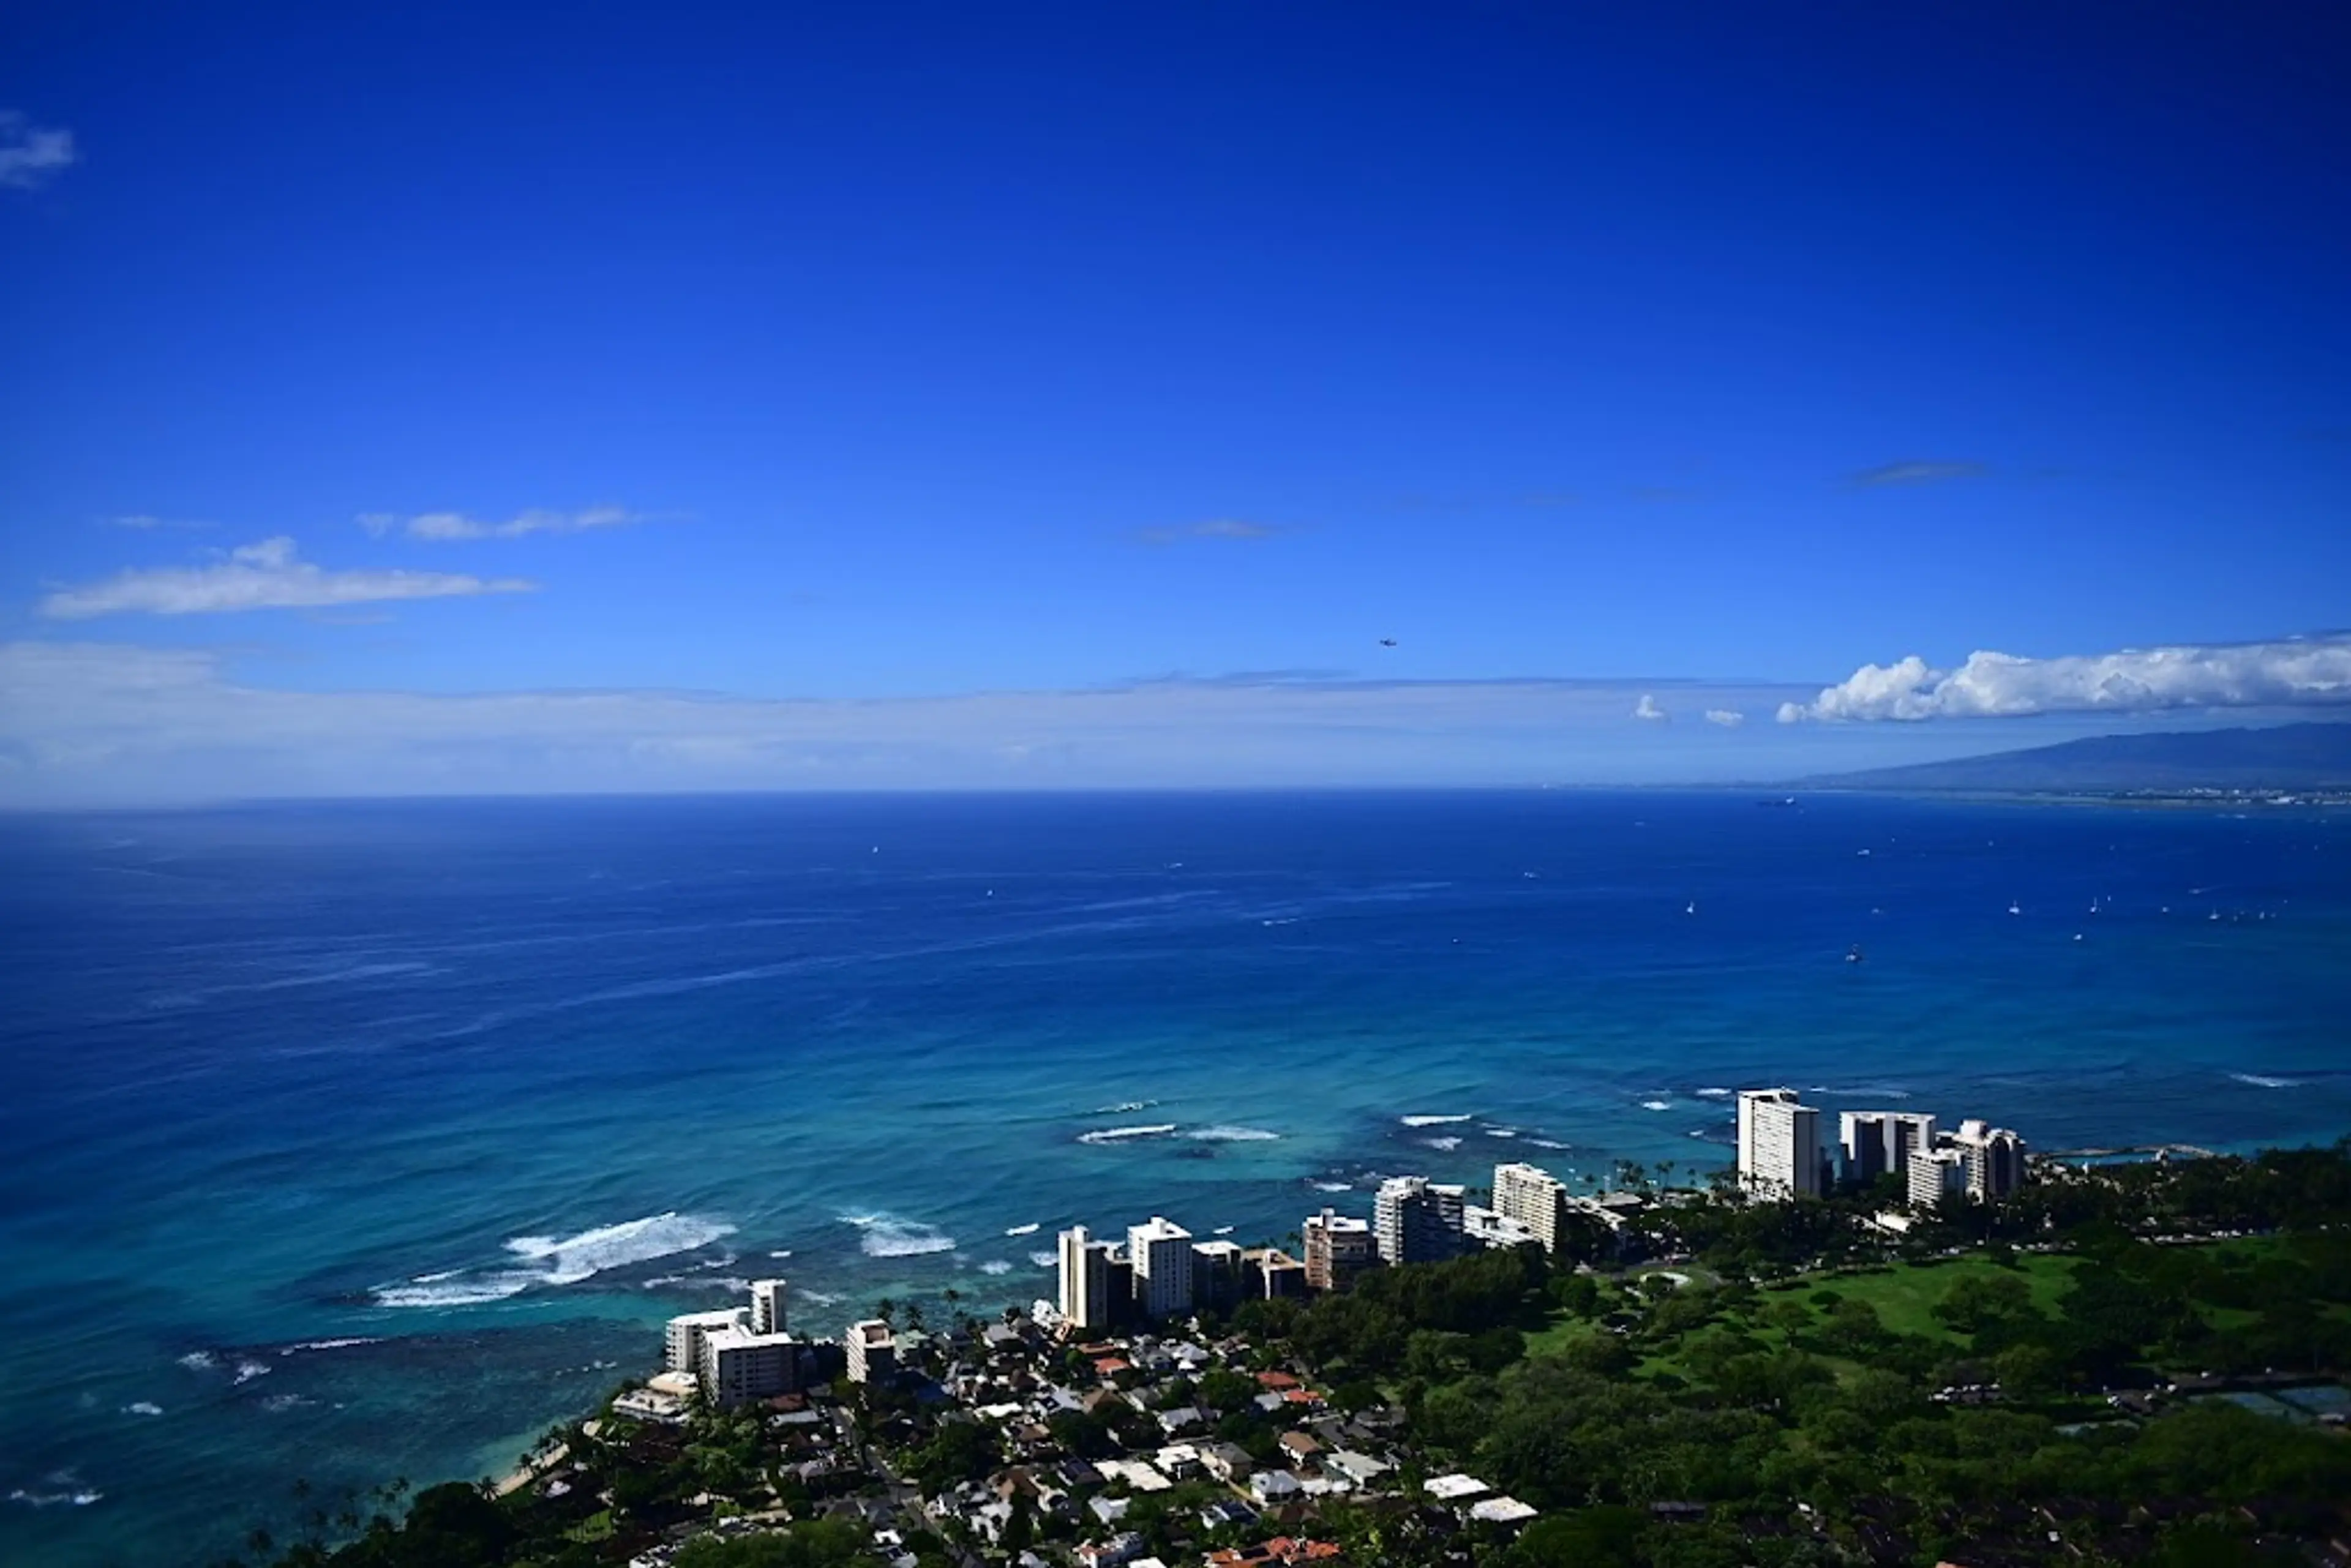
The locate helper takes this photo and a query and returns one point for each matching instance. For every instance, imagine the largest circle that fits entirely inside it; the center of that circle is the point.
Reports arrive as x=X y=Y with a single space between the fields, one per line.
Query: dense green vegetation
x=1787 y=1384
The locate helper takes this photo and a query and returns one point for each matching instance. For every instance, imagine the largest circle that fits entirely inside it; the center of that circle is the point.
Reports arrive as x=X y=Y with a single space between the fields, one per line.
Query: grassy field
x=1905 y=1293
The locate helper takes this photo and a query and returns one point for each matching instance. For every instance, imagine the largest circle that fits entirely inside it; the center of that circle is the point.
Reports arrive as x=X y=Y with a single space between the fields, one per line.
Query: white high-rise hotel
x=1161 y=1254
x=1532 y=1197
x=1779 y=1145
x=1085 y=1280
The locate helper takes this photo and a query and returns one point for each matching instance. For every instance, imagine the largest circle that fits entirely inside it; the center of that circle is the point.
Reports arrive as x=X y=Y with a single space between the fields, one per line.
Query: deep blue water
x=494 y=1087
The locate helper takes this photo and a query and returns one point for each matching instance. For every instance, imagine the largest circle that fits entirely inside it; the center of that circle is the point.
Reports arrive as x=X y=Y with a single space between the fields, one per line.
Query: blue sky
x=406 y=397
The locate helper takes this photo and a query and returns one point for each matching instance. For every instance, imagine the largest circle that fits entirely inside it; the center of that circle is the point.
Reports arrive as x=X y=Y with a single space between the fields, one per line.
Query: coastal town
x=1398 y=1388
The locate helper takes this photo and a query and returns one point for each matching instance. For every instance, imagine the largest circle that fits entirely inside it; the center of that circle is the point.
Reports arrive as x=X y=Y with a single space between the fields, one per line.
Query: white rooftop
x=1501 y=1511
x=1453 y=1488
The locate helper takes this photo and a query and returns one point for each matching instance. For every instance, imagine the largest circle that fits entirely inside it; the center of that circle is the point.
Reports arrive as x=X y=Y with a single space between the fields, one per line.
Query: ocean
x=353 y=1141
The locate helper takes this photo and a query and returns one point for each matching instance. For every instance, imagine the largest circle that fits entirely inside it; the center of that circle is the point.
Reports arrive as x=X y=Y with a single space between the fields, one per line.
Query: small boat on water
x=1853 y=953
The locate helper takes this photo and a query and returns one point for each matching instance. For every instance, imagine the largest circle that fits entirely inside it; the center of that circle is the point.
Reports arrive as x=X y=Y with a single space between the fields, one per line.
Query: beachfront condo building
x=1161 y=1253
x=1995 y=1159
x=1416 y=1220
x=682 y=1340
x=872 y=1350
x=1269 y=1271
x=1935 y=1174
x=1085 y=1281
x=1532 y=1197
x=1872 y=1142
x=1338 y=1248
x=1216 y=1274
x=1779 y=1145
x=738 y=1366
x=767 y=1306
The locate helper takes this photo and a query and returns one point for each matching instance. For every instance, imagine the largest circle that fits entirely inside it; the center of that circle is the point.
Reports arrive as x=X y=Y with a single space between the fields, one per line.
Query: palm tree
x=887 y=1310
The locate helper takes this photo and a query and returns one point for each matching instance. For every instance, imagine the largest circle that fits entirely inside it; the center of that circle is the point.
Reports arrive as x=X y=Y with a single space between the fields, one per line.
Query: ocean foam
x=1549 y=1144
x=200 y=1361
x=81 y=1499
x=247 y=1371
x=142 y=1407
x=1333 y=1185
x=1122 y=1108
x=332 y=1343
x=996 y=1266
x=571 y=1259
x=1045 y=1259
x=1500 y=1131
x=1448 y=1145
x=1028 y=1230
x=1714 y=1094
x=2258 y=1081
x=1221 y=1135
x=1432 y=1121
x=562 y=1260
x=1656 y=1104
x=1126 y=1134
x=785 y=1253
x=886 y=1236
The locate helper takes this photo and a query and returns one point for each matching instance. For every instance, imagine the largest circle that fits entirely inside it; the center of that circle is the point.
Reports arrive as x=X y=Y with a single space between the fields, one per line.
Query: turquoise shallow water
x=361 y=1140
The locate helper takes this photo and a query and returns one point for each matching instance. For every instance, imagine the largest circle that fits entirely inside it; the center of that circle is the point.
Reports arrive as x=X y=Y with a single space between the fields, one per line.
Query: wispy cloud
x=147 y=522
x=86 y=721
x=1209 y=529
x=2301 y=672
x=441 y=526
x=1728 y=718
x=1914 y=472
x=1647 y=708
x=264 y=576
x=30 y=154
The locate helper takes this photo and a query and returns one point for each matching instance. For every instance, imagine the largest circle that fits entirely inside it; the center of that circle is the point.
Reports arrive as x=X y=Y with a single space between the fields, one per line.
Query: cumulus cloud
x=1912 y=472
x=264 y=576
x=1208 y=528
x=1647 y=708
x=29 y=153
x=2292 y=673
x=1728 y=718
x=442 y=526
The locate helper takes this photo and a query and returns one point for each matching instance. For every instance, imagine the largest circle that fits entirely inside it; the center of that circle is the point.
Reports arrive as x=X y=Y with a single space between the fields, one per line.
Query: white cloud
x=30 y=153
x=264 y=576
x=1728 y=718
x=1647 y=708
x=2292 y=672
x=458 y=526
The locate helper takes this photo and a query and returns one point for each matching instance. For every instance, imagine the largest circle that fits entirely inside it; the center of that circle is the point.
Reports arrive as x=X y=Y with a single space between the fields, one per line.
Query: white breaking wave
x=1123 y=1134
x=1028 y=1230
x=571 y=1259
x=1234 y=1135
x=199 y=1360
x=816 y=1299
x=785 y=1253
x=2258 y=1081
x=1044 y=1260
x=1431 y=1121
x=247 y=1371
x=1333 y=1185
x=1549 y=1144
x=142 y=1407
x=1656 y=1104
x=1501 y=1132
x=560 y=1261
x=331 y=1343
x=1714 y=1094
x=1448 y=1145
x=996 y=1266
x=1123 y=1107
x=81 y=1499
x=886 y=1236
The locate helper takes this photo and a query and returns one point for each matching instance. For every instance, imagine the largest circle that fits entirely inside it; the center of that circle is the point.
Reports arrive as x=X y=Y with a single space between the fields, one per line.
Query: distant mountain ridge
x=2284 y=756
